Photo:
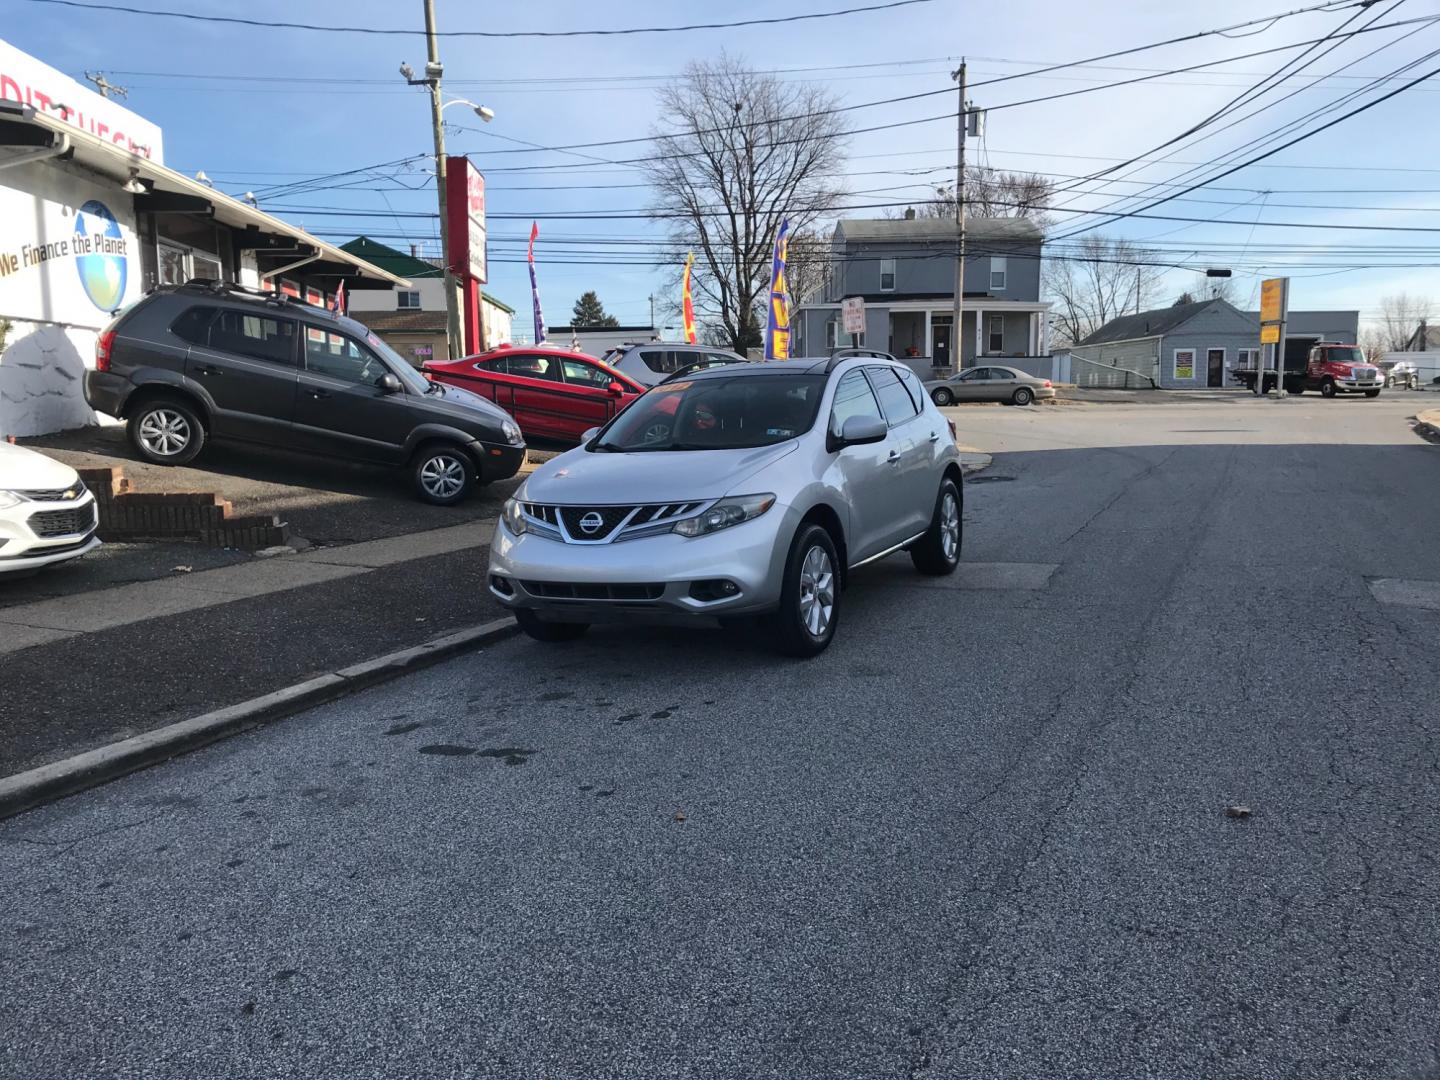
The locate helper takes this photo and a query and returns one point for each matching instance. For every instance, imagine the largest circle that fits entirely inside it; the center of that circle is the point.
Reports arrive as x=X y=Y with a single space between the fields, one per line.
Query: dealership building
x=91 y=219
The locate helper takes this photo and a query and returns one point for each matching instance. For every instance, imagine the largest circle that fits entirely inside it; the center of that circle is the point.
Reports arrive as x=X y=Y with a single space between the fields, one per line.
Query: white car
x=651 y=364
x=47 y=515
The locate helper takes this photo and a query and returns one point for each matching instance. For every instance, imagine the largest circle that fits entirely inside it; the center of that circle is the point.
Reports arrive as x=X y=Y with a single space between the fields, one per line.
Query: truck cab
x=1335 y=368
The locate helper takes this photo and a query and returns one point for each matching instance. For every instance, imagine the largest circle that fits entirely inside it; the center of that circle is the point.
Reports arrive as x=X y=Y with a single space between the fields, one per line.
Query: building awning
x=22 y=129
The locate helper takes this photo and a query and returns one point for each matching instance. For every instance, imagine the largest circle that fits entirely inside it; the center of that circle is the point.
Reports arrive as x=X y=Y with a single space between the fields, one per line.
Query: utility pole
x=433 y=70
x=957 y=338
x=1137 y=290
x=652 y=313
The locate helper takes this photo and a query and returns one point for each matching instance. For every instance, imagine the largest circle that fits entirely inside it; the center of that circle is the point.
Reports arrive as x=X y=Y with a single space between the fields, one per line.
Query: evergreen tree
x=589 y=311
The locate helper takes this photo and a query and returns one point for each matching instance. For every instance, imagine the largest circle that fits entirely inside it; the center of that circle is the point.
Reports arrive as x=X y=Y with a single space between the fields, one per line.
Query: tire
x=540 y=630
x=166 y=431
x=812 y=575
x=1372 y=393
x=938 y=551
x=1023 y=396
x=443 y=475
x=1389 y=382
x=942 y=397
x=1327 y=389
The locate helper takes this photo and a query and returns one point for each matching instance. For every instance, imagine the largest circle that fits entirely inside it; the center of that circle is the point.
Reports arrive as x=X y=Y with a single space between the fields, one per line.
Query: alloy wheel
x=950 y=525
x=164 y=432
x=817 y=592
x=442 y=476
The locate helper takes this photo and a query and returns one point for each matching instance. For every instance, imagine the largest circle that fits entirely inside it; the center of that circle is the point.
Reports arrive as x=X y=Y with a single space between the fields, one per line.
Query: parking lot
x=1152 y=779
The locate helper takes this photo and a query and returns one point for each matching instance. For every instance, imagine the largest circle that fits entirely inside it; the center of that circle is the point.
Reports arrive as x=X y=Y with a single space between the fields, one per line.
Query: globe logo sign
x=100 y=255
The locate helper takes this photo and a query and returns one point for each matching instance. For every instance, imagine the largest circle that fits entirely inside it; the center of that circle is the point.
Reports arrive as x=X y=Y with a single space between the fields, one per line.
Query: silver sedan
x=990 y=383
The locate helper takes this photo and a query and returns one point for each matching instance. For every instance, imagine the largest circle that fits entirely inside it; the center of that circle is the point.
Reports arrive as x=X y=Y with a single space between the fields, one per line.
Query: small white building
x=91 y=219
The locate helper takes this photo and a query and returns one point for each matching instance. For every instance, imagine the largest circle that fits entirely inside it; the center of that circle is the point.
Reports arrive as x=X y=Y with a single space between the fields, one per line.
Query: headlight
x=514 y=518
x=725 y=513
x=11 y=498
x=512 y=432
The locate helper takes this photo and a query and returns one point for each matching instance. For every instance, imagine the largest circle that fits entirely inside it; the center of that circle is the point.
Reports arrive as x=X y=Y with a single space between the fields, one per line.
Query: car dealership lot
x=987 y=833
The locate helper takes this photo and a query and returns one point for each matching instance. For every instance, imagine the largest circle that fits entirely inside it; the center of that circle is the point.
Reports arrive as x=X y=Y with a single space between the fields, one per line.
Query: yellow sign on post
x=1270 y=334
x=1272 y=302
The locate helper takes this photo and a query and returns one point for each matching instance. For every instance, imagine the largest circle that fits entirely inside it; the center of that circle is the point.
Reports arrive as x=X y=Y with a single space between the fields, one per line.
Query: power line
x=270 y=24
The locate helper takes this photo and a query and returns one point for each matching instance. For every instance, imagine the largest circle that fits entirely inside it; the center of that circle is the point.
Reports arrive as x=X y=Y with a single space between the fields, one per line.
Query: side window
x=894 y=398
x=500 y=364
x=583 y=374
x=257 y=336
x=535 y=367
x=912 y=384
x=194 y=325
x=853 y=397
x=655 y=361
x=340 y=357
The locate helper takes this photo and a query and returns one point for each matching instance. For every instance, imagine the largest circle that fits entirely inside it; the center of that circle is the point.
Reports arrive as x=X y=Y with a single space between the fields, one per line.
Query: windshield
x=1345 y=356
x=717 y=414
x=412 y=379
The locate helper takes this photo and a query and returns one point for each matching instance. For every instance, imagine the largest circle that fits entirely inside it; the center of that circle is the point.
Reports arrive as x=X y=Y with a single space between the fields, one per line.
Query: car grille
x=48 y=523
x=607 y=524
x=55 y=549
x=568 y=590
x=74 y=491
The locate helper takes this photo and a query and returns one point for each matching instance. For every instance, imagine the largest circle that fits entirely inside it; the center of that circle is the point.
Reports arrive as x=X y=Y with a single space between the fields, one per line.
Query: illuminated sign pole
x=465 y=206
x=1274 y=307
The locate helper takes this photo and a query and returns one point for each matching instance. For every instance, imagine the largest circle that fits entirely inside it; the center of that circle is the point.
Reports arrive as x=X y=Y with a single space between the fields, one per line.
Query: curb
x=27 y=790
x=1428 y=424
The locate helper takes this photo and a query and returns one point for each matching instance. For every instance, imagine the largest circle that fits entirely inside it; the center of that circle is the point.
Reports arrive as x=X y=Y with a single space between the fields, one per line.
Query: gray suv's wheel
x=938 y=551
x=810 y=596
x=166 y=431
x=443 y=475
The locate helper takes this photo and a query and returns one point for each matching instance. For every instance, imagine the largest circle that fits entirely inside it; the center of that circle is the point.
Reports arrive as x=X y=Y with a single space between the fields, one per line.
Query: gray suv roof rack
x=269 y=296
x=849 y=353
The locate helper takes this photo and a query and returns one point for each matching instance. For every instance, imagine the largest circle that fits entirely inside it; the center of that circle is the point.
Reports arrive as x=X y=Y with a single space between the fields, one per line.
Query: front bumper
x=26 y=542
x=1354 y=386
x=649 y=579
x=497 y=461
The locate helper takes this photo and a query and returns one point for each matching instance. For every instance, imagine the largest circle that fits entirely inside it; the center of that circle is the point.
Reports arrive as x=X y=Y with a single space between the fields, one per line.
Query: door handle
x=209 y=371
x=318 y=394
x=894 y=457
x=934 y=436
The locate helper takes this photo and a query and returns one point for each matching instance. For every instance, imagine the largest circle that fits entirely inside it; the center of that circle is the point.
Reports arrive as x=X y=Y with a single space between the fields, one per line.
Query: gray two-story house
x=904 y=269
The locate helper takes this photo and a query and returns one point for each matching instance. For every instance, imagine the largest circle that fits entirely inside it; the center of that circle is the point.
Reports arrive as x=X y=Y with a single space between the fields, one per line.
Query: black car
x=208 y=360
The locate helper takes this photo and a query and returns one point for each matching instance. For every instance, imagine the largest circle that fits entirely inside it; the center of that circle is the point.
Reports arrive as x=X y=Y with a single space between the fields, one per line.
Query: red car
x=552 y=393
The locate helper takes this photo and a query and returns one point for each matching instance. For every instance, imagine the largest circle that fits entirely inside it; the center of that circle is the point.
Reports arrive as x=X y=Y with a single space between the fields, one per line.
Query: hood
x=464 y=405
x=25 y=470
x=579 y=477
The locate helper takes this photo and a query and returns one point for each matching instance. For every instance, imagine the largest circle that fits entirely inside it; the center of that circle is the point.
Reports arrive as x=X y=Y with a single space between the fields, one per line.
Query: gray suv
x=743 y=490
x=208 y=360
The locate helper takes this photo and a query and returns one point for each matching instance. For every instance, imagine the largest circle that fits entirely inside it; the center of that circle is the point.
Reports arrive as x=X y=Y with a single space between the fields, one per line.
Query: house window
x=832 y=334
x=997 y=273
x=409 y=299
x=996 y=335
x=887 y=275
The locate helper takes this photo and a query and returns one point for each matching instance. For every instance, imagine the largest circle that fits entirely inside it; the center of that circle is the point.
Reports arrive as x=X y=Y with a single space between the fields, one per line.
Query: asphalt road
x=984 y=836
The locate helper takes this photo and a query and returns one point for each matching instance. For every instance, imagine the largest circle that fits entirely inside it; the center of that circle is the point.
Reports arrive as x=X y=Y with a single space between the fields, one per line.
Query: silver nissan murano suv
x=745 y=490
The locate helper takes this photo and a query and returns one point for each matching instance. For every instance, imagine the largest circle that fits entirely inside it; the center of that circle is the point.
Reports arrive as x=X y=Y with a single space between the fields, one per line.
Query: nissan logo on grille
x=591 y=523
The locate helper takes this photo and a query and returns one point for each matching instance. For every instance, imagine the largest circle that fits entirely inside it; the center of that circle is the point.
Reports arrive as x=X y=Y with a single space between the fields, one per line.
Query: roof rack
x=851 y=353
x=270 y=296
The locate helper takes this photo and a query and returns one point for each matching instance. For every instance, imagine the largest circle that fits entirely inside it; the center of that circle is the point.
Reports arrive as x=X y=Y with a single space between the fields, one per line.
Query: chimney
x=414 y=251
x=909 y=213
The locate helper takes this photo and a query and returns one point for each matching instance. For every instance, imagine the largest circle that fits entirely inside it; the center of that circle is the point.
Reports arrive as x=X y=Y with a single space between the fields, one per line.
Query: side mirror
x=862 y=430
x=590 y=433
x=616 y=389
x=389 y=384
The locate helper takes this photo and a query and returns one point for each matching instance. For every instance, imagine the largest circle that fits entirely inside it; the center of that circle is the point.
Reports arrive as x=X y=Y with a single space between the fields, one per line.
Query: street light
x=484 y=112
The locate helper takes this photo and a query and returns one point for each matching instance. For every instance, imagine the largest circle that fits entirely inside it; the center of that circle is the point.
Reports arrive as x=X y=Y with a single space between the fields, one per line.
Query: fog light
x=501 y=585
x=714 y=589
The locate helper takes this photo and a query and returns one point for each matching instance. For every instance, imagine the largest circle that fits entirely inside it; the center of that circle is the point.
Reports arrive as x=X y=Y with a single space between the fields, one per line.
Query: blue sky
x=295 y=104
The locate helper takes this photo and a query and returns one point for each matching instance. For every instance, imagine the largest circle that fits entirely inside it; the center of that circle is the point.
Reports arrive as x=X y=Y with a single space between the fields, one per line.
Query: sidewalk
x=86 y=670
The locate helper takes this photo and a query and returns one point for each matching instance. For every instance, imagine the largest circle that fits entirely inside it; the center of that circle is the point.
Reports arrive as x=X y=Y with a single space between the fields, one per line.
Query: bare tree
x=1372 y=340
x=808 y=265
x=1208 y=288
x=1400 y=316
x=736 y=153
x=993 y=194
x=1101 y=280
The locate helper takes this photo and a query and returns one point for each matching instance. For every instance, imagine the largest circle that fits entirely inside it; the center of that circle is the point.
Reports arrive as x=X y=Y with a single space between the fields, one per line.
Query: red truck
x=1327 y=366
